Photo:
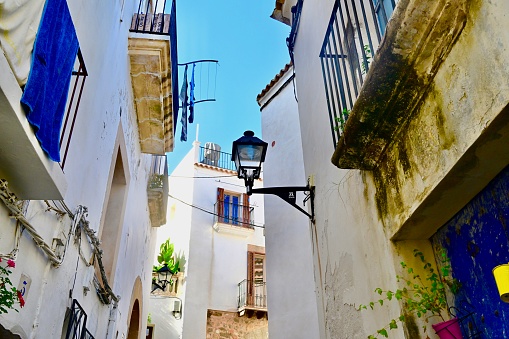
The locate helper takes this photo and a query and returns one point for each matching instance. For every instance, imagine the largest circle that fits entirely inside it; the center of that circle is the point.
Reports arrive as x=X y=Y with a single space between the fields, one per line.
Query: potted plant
x=422 y=295
x=166 y=258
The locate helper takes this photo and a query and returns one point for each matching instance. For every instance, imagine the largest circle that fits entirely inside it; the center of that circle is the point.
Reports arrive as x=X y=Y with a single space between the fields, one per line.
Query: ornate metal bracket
x=289 y=194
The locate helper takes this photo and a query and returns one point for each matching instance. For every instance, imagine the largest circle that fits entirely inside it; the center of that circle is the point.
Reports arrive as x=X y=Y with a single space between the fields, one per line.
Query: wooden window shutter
x=246 y=217
x=220 y=202
x=250 y=277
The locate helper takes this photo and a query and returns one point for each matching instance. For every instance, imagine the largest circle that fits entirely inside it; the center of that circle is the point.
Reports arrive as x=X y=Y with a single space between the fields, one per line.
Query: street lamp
x=248 y=153
x=162 y=277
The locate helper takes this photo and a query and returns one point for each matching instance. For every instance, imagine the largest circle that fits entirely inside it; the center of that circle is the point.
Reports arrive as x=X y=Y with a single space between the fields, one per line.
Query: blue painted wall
x=477 y=240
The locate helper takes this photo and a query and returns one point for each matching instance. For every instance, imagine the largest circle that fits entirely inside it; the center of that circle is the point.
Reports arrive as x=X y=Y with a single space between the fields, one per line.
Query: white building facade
x=218 y=231
x=290 y=284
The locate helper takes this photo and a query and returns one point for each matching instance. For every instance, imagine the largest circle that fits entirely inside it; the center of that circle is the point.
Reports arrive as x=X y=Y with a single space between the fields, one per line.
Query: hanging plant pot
x=501 y=273
x=449 y=329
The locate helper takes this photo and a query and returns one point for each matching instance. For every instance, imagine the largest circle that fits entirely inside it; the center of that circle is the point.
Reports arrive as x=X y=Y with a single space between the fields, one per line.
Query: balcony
x=154 y=74
x=157 y=191
x=23 y=163
x=233 y=218
x=215 y=158
x=252 y=298
x=371 y=98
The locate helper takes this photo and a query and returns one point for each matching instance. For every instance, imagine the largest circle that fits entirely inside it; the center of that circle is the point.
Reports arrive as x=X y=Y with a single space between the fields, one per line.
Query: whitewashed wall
x=350 y=260
x=290 y=281
x=106 y=108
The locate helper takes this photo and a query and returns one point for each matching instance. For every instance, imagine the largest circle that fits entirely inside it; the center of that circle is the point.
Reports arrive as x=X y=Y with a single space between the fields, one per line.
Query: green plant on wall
x=365 y=65
x=341 y=120
x=422 y=295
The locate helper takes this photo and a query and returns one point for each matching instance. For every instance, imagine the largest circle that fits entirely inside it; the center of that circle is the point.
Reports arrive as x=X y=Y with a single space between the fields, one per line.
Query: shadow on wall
x=6 y=334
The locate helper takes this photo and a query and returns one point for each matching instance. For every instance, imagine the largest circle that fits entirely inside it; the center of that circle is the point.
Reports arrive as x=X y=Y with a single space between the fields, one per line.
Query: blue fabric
x=45 y=95
x=183 y=98
x=191 y=97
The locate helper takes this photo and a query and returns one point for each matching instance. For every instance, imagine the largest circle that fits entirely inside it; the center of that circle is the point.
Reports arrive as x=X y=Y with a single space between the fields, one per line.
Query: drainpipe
x=110 y=333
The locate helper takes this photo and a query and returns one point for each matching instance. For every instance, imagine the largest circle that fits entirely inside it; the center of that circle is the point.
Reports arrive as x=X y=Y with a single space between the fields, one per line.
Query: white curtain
x=19 y=22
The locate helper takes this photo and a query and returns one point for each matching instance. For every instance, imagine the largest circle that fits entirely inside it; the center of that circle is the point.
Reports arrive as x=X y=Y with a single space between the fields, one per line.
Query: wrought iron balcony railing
x=354 y=33
x=76 y=90
x=155 y=17
x=77 y=325
x=235 y=214
x=216 y=158
x=158 y=172
x=157 y=190
x=252 y=295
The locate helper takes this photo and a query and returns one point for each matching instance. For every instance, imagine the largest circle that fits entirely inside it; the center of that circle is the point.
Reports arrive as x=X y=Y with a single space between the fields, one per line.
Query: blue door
x=477 y=240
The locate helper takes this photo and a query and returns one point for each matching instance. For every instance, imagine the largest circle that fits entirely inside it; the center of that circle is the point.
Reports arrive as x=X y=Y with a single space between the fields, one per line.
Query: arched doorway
x=134 y=320
x=134 y=323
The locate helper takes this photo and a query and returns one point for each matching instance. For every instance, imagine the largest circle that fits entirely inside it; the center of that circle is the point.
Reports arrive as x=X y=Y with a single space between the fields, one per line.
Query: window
x=233 y=208
x=384 y=9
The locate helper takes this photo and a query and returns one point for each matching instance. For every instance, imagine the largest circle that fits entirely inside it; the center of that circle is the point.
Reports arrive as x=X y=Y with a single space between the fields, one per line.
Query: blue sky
x=251 y=50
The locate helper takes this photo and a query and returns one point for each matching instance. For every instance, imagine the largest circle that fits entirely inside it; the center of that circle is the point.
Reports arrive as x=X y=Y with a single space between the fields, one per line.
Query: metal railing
x=73 y=103
x=290 y=41
x=153 y=17
x=352 y=36
x=228 y=212
x=216 y=158
x=158 y=171
x=252 y=294
x=76 y=328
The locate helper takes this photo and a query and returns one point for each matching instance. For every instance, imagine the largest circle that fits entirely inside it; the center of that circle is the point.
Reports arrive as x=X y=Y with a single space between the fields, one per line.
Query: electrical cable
x=207 y=177
x=206 y=211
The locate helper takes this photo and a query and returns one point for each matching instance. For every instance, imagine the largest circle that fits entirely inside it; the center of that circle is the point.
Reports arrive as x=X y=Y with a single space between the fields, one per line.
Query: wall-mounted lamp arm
x=289 y=195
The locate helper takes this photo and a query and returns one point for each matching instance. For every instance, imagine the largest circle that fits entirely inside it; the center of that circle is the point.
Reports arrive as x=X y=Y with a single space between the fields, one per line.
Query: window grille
x=350 y=41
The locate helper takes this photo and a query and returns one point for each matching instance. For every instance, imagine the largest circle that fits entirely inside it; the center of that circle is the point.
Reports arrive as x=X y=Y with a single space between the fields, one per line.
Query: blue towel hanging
x=45 y=95
x=183 y=97
x=191 y=97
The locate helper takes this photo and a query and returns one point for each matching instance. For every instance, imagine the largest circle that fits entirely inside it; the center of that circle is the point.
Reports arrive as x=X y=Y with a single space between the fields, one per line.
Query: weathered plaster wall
x=452 y=146
x=466 y=96
x=106 y=104
x=291 y=299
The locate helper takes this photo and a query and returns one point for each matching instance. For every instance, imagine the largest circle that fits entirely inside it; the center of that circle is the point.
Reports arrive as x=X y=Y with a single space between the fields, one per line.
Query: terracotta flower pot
x=449 y=329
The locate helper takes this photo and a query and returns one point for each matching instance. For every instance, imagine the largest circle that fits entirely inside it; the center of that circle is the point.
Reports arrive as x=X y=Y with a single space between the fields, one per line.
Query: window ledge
x=23 y=163
x=399 y=78
x=239 y=231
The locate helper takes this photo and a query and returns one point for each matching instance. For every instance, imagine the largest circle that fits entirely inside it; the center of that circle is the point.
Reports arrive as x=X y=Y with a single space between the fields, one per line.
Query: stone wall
x=224 y=325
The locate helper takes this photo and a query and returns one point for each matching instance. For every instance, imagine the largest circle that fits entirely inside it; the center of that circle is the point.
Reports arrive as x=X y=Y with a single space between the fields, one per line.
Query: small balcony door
x=231 y=208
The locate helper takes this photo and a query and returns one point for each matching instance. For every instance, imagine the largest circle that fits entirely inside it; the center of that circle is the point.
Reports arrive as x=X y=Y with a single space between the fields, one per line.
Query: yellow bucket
x=501 y=273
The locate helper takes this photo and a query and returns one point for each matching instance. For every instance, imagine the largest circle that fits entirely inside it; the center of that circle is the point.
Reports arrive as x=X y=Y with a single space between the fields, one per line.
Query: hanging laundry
x=191 y=97
x=45 y=95
x=183 y=98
